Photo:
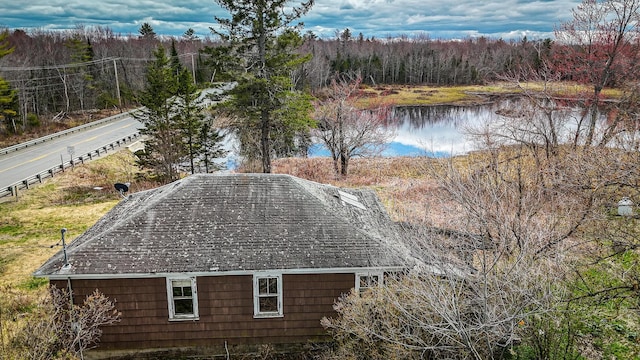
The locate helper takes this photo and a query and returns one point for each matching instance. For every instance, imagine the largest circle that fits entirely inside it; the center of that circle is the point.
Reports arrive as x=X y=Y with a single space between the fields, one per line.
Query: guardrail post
x=39 y=177
x=51 y=172
x=26 y=183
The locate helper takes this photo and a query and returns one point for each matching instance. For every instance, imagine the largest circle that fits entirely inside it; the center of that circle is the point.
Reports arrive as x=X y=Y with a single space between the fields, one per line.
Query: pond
x=431 y=130
x=439 y=131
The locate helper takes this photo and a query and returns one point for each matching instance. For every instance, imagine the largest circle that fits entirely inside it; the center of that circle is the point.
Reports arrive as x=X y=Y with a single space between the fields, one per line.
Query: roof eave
x=309 y=271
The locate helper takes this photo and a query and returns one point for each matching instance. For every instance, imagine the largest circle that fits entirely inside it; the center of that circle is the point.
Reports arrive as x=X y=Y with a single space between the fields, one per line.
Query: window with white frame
x=365 y=281
x=182 y=296
x=267 y=295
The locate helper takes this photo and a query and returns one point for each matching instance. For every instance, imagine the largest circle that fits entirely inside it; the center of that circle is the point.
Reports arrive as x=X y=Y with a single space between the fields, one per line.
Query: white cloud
x=380 y=18
x=44 y=9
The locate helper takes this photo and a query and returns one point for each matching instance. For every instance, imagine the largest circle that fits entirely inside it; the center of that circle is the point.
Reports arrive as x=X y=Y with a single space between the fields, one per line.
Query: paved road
x=21 y=164
x=27 y=162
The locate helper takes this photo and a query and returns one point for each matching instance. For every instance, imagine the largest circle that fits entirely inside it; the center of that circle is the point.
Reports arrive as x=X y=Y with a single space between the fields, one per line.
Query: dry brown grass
x=471 y=94
x=402 y=183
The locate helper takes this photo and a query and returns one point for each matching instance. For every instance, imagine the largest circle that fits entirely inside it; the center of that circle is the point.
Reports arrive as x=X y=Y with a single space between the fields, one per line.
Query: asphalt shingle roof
x=215 y=223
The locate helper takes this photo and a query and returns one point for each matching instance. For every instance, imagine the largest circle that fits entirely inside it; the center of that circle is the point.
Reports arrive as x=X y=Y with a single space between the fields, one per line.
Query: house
x=235 y=259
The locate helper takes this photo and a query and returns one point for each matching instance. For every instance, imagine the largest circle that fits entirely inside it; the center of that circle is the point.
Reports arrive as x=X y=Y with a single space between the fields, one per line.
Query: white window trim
x=379 y=274
x=256 y=296
x=194 y=292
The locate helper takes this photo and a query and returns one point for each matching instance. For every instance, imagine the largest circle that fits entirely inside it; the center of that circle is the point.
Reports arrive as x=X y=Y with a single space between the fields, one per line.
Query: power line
x=55 y=67
x=87 y=63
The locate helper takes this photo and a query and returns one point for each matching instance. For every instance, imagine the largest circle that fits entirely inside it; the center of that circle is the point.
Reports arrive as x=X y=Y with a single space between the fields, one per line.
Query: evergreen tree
x=190 y=117
x=164 y=149
x=173 y=119
x=8 y=98
x=190 y=35
x=209 y=144
x=176 y=66
x=8 y=106
x=146 y=31
x=261 y=41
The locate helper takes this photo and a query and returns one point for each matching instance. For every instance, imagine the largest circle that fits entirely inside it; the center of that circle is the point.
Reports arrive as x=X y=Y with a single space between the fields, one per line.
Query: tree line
x=94 y=68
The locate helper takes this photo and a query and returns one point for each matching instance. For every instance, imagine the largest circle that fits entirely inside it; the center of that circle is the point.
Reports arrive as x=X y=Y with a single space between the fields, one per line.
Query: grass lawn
x=30 y=226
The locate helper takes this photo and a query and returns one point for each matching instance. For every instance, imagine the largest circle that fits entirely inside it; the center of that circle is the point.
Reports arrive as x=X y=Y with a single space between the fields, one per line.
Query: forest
x=92 y=68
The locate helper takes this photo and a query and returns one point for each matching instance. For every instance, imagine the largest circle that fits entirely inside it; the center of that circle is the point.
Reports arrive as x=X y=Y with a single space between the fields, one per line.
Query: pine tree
x=163 y=148
x=173 y=119
x=209 y=144
x=190 y=35
x=261 y=40
x=191 y=117
x=176 y=65
x=8 y=98
x=146 y=31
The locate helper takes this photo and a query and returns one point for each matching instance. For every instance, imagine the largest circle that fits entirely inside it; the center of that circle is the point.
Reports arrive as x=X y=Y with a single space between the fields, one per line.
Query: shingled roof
x=235 y=222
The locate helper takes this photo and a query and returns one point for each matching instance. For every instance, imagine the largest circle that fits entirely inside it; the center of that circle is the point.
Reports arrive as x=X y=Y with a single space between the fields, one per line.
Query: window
x=366 y=281
x=267 y=295
x=183 y=299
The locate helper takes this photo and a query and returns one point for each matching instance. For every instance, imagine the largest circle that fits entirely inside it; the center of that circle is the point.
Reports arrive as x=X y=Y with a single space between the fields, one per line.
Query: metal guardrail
x=12 y=190
x=26 y=144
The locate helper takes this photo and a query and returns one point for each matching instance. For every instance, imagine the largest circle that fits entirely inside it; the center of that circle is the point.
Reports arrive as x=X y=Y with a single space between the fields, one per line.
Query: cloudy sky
x=441 y=19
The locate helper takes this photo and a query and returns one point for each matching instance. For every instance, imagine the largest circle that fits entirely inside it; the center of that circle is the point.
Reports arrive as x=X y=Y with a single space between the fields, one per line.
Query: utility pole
x=193 y=68
x=64 y=248
x=115 y=70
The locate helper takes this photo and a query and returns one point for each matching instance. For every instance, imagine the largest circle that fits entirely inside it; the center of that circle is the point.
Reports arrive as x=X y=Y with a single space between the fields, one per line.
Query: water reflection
x=444 y=130
x=438 y=130
x=431 y=130
x=441 y=131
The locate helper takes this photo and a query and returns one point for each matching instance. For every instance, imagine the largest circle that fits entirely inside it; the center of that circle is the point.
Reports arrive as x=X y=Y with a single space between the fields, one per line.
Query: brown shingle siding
x=224 y=315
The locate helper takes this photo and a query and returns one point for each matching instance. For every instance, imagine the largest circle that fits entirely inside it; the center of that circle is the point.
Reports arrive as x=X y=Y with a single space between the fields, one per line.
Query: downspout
x=70 y=289
x=75 y=329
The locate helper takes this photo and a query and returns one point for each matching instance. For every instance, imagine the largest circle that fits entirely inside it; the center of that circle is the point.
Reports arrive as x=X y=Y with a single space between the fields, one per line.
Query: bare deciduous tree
x=347 y=130
x=521 y=222
x=600 y=49
x=492 y=268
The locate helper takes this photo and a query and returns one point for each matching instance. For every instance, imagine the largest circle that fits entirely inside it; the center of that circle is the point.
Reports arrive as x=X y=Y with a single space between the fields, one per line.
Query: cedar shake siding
x=225 y=305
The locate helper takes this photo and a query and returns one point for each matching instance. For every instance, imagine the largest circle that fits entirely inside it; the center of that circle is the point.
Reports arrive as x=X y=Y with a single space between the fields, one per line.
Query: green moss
x=33 y=283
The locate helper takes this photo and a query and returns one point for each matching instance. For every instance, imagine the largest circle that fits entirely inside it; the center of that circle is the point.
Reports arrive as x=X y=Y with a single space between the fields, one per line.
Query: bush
x=33 y=121
x=55 y=330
